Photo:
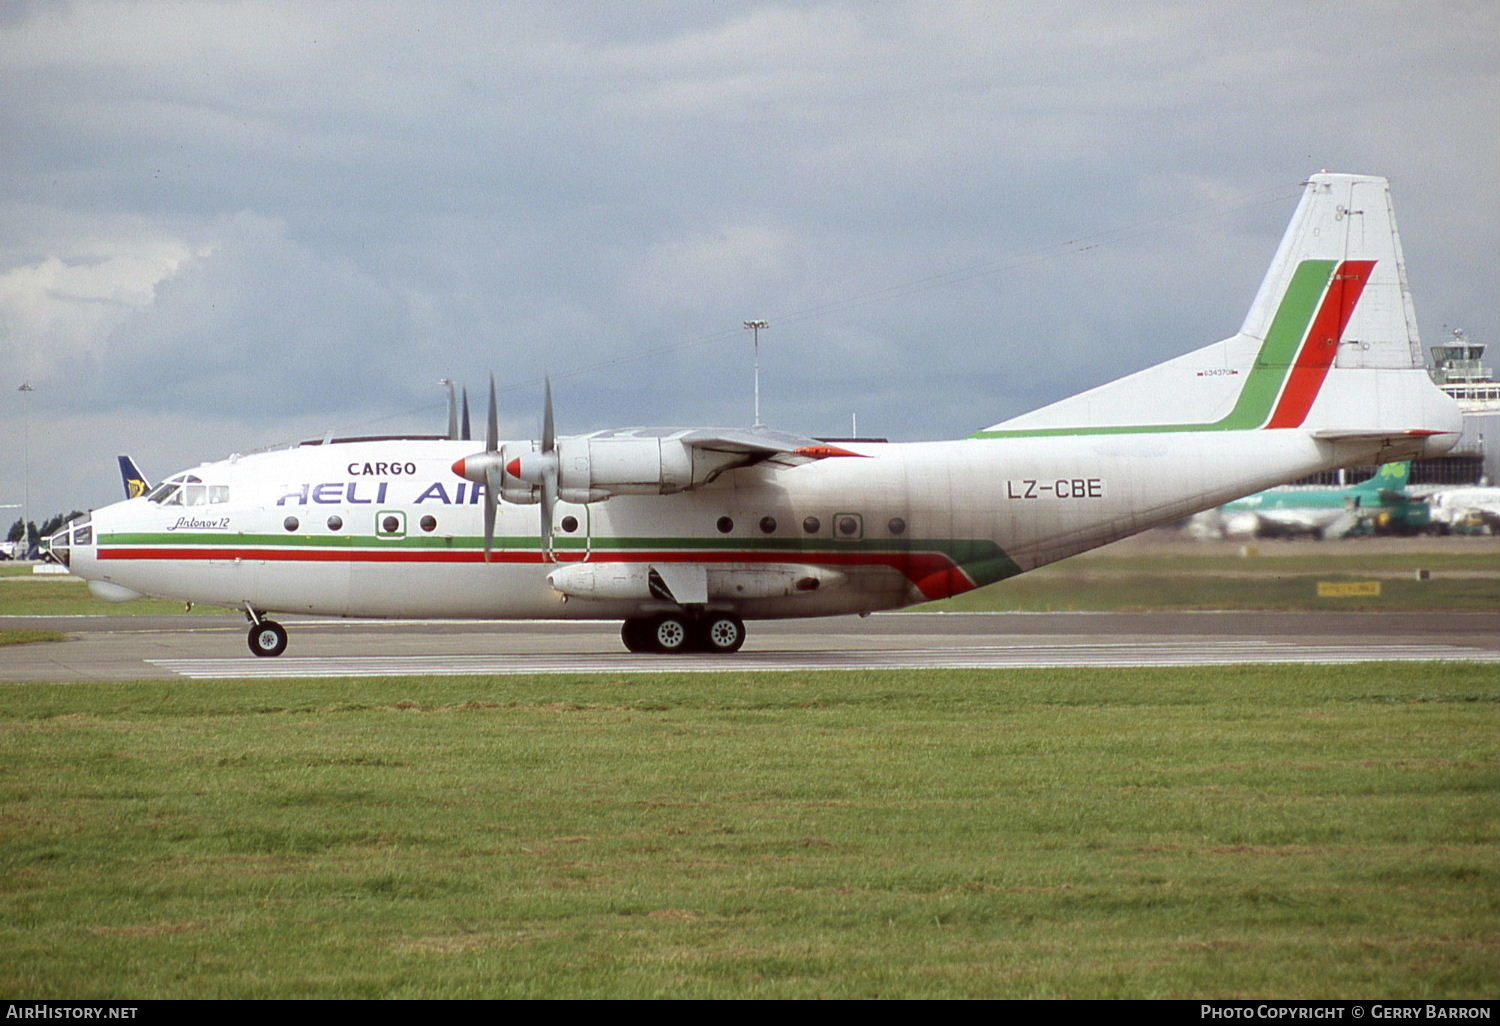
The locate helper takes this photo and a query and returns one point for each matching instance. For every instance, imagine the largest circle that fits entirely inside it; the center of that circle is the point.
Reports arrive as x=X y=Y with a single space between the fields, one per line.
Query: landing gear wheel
x=267 y=638
x=720 y=632
x=637 y=635
x=670 y=634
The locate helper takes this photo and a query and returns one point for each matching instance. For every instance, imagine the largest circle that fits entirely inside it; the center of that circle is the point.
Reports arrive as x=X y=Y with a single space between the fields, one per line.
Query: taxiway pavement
x=125 y=648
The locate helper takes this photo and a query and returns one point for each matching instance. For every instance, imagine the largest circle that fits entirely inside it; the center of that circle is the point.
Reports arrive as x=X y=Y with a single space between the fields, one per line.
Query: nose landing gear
x=267 y=637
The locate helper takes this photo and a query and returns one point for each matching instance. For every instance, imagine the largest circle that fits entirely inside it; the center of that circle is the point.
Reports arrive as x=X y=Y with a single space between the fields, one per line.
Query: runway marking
x=1109 y=654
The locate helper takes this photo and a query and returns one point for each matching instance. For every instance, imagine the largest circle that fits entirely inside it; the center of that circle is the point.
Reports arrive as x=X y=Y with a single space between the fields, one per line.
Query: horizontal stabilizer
x=1365 y=435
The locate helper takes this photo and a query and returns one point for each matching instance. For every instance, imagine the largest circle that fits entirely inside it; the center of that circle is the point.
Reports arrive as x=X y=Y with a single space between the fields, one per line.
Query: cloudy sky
x=225 y=226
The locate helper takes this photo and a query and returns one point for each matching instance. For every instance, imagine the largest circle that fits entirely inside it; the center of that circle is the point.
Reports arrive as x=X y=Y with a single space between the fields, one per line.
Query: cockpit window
x=182 y=490
x=162 y=493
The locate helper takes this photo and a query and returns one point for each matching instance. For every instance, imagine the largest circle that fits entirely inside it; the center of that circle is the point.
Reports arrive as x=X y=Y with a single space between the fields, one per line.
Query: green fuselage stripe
x=983 y=560
x=1267 y=375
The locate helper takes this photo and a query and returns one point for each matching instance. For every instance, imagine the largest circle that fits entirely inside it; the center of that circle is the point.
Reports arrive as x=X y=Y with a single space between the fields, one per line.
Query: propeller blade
x=452 y=409
x=491 y=490
x=491 y=477
x=549 y=442
x=549 y=474
x=464 y=428
x=492 y=426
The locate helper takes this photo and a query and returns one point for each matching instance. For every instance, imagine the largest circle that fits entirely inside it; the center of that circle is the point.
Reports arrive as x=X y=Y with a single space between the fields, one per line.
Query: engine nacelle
x=590 y=469
x=595 y=467
x=512 y=488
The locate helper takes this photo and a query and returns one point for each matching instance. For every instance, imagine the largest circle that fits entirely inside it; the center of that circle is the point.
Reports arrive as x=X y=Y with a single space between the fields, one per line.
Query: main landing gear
x=267 y=637
x=679 y=632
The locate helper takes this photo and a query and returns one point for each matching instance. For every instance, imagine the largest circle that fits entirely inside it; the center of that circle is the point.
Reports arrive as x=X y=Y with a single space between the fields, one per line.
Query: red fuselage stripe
x=926 y=569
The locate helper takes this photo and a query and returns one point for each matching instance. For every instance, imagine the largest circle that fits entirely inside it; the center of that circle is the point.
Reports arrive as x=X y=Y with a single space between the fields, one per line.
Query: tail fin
x=1390 y=477
x=1390 y=480
x=135 y=482
x=1329 y=345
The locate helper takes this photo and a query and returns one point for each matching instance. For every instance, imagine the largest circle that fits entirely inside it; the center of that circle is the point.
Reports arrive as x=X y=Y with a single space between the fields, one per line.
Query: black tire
x=671 y=633
x=267 y=638
x=721 y=633
x=637 y=635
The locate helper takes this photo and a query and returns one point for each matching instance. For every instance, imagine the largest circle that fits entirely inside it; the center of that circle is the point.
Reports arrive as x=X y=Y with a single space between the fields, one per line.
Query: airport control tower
x=1458 y=369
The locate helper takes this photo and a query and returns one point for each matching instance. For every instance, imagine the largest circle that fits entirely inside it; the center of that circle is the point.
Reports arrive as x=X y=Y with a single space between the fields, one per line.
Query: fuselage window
x=218 y=494
x=335 y=523
x=811 y=525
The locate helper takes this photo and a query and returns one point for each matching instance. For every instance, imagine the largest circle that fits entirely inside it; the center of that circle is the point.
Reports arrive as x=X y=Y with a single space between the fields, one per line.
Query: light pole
x=26 y=471
x=756 y=326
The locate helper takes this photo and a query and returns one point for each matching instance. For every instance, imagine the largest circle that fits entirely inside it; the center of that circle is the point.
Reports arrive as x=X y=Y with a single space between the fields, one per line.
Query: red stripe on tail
x=1322 y=343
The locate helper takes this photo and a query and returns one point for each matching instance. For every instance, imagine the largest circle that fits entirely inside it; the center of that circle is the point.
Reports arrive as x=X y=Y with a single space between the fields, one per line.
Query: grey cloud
x=378 y=194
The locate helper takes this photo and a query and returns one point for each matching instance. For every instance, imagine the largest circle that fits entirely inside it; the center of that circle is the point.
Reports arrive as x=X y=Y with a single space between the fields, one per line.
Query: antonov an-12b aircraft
x=686 y=534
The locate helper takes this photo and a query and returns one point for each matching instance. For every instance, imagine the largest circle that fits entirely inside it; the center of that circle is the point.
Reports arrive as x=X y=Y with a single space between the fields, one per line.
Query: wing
x=762 y=445
x=712 y=451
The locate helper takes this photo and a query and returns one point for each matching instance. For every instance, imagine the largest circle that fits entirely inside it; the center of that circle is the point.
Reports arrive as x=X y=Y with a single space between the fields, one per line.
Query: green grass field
x=1241 y=832
x=1072 y=589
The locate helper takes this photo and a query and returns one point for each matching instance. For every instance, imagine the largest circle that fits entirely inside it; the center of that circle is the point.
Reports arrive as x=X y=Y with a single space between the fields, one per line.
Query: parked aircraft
x=131 y=477
x=1474 y=507
x=685 y=534
x=8 y=549
x=1324 y=512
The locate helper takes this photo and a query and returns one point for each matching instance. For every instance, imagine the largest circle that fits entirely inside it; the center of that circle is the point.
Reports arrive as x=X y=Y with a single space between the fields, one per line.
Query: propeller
x=484 y=467
x=454 y=430
x=549 y=470
x=539 y=469
x=492 y=471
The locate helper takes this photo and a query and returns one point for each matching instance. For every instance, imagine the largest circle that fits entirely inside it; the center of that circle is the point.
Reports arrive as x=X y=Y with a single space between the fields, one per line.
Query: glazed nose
x=77 y=532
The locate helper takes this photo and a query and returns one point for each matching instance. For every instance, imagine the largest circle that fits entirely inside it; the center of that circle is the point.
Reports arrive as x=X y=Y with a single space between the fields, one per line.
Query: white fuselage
x=386 y=529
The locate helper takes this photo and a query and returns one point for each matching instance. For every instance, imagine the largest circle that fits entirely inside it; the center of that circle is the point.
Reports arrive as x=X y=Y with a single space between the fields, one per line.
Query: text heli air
x=686 y=534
